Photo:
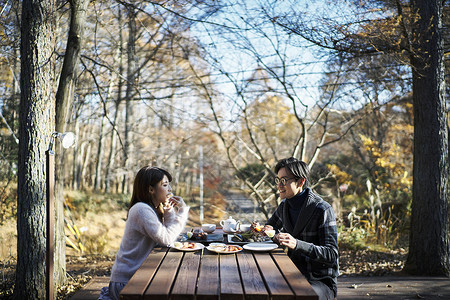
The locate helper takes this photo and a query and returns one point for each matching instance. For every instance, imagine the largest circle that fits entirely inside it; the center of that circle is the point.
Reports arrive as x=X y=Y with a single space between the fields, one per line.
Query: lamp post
x=67 y=140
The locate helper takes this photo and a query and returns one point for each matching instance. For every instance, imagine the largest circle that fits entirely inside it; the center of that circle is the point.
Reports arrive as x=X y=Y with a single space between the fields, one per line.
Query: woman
x=155 y=216
x=306 y=227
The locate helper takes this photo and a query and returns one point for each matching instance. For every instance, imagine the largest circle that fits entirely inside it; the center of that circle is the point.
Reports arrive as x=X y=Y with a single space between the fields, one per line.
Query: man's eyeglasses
x=283 y=180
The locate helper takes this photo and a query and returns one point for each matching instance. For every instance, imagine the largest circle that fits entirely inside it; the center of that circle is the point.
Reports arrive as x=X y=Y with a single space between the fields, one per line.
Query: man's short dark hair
x=296 y=167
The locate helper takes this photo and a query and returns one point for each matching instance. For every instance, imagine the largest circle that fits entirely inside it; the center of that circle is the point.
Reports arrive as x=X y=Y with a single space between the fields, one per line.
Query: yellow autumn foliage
x=390 y=160
x=340 y=175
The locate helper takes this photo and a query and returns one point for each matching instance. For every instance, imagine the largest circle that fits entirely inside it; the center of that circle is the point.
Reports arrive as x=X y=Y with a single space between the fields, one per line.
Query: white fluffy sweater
x=143 y=231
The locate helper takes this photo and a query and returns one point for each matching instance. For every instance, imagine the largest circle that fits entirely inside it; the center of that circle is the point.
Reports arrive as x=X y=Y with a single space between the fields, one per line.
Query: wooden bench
x=91 y=291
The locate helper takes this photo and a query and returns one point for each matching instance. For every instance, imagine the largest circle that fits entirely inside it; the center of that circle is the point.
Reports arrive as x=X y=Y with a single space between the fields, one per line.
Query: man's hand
x=285 y=239
x=267 y=227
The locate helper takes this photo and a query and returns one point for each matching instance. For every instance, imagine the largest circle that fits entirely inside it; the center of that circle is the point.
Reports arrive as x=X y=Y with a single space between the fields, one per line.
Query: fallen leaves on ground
x=371 y=263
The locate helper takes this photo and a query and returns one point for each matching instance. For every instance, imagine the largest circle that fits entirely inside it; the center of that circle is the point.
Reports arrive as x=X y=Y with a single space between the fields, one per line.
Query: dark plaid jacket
x=316 y=254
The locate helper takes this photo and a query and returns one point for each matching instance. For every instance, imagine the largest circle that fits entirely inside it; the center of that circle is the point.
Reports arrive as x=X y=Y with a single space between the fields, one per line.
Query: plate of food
x=187 y=246
x=240 y=239
x=200 y=236
x=224 y=248
x=260 y=247
x=255 y=234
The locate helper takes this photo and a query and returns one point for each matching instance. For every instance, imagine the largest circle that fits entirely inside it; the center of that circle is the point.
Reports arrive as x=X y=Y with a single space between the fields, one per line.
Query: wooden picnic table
x=168 y=273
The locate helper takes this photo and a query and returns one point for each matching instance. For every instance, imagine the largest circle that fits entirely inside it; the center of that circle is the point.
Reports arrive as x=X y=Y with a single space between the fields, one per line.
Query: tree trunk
x=111 y=155
x=100 y=151
x=15 y=99
x=67 y=81
x=131 y=80
x=110 y=162
x=98 y=165
x=85 y=182
x=64 y=99
x=36 y=125
x=76 y=159
x=114 y=133
x=429 y=247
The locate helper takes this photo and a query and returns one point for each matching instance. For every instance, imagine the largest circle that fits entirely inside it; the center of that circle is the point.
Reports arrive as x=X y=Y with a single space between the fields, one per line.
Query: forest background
x=217 y=92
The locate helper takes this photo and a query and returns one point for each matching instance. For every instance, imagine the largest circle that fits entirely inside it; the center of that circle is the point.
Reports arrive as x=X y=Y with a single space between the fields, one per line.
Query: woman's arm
x=162 y=233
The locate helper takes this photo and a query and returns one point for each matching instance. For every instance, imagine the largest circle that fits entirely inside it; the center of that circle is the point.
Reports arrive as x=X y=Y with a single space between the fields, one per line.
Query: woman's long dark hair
x=147 y=177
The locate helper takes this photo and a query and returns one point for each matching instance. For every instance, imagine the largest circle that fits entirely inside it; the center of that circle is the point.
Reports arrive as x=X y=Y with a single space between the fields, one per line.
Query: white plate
x=220 y=249
x=260 y=246
x=198 y=246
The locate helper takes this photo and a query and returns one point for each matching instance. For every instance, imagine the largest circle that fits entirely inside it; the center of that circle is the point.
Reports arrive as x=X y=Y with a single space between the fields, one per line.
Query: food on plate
x=256 y=234
x=256 y=228
x=216 y=246
x=224 y=248
x=232 y=248
x=198 y=234
x=185 y=245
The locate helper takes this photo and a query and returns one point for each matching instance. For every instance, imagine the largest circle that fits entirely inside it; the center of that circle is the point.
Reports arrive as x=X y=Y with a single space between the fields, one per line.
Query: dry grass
x=8 y=239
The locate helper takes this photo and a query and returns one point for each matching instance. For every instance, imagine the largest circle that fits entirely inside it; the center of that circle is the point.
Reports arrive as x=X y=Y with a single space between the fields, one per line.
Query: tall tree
x=429 y=252
x=64 y=98
x=36 y=124
x=132 y=77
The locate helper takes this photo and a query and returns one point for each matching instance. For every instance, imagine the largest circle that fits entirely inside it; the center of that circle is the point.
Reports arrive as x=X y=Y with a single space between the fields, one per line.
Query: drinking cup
x=209 y=228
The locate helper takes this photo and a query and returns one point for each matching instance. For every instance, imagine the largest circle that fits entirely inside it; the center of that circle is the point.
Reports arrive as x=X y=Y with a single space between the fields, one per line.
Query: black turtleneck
x=295 y=204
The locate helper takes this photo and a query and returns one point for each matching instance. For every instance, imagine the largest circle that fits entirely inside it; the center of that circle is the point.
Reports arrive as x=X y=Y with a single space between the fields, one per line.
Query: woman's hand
x=176 y=201
x=285 y=239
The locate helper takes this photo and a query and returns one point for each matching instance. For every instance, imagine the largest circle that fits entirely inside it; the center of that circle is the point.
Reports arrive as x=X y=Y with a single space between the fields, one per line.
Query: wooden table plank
x=294 y=277
x=143 y=276
x=277 y=285
x=161 y=284
x=186 y=281
x=204 y=275
x=253 y=283
x=208 y=278
x=230 y=282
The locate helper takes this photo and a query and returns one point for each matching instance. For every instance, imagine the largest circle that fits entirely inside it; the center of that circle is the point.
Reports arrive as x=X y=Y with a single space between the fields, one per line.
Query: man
x=306 y=227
